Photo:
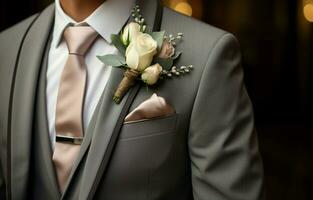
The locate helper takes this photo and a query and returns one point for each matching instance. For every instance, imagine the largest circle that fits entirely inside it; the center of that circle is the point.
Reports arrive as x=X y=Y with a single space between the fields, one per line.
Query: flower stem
x=128 y=81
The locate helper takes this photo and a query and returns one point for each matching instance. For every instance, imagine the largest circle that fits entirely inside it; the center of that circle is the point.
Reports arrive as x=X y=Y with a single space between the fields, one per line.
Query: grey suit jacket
x=207 y=150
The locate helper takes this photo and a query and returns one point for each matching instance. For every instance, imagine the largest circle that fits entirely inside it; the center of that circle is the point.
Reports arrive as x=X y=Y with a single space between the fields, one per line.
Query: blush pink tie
x=70 y=101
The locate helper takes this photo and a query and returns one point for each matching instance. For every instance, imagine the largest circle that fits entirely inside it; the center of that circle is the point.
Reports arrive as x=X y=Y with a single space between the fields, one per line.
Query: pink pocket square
x=154 y=107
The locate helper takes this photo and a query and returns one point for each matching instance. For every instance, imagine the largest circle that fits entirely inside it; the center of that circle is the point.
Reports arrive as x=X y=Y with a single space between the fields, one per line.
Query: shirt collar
x=109 y=18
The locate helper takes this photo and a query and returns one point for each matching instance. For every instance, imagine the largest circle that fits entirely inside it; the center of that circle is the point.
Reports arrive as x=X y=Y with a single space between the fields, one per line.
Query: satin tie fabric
x=70 y=100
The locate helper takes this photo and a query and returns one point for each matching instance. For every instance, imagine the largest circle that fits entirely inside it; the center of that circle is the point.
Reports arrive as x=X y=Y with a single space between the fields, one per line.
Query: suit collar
x=27 y=72
x=101 y=19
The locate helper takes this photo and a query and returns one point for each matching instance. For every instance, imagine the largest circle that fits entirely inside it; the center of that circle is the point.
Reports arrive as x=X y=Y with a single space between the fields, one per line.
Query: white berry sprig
x=174 y=39
x=177 y=71
x=139 y=19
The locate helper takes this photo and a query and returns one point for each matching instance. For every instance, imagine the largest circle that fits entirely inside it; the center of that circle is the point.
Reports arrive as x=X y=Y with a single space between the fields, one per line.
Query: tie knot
x=79 y=39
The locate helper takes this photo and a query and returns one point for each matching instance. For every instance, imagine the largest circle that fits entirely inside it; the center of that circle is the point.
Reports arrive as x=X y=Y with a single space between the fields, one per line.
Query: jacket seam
x=205 y=67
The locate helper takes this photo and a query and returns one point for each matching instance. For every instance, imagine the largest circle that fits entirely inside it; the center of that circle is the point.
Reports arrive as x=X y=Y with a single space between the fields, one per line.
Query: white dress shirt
x=107 y=19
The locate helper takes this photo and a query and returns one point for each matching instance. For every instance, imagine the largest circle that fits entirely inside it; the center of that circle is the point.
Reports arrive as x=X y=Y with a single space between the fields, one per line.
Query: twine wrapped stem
x=128 y=81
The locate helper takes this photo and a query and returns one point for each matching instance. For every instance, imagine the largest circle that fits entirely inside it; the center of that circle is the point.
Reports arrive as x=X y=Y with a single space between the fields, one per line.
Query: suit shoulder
x=11 y=37
x=10 y=40
x=198 y=29
x=200 y=39
x=18 y=28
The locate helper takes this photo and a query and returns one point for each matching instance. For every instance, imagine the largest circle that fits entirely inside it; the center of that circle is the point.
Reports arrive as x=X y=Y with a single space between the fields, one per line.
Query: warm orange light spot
x=308 y=12
x=184 y=7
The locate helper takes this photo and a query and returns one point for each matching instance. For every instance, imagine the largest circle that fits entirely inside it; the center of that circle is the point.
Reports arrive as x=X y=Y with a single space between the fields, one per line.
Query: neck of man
x=80 y=9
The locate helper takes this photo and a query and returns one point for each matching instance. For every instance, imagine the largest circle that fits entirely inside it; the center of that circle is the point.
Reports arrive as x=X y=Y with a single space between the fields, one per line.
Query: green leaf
x=116 y=41
x=112 y=60
x=166 y=64
x=128 y=38
x=158 y=37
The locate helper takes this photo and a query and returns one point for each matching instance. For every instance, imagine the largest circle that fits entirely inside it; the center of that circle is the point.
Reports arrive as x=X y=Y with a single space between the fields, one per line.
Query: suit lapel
x=111 y=116
x=43 y=131
x=28 y=67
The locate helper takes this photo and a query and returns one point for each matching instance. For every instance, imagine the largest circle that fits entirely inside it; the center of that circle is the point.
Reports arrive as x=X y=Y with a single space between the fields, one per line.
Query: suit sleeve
x=223 y=146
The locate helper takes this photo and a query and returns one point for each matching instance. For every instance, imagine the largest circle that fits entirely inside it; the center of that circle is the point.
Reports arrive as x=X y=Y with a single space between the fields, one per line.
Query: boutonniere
x=145 y=56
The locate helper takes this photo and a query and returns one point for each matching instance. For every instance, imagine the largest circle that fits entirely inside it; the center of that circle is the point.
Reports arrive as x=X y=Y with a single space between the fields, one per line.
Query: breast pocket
x=144 y=148
x=148 y=127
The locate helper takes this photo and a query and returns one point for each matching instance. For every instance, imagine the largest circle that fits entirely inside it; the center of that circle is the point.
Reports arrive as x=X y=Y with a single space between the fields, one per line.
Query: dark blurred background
x=276 y=38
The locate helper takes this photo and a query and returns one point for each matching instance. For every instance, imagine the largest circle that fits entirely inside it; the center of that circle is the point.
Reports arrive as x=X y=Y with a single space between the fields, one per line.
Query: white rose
x=130 y=33
x=140 y=52
x=152 y=74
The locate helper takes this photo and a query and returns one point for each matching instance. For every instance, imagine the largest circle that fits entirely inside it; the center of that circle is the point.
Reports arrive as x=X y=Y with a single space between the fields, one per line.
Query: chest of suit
x=150 y=158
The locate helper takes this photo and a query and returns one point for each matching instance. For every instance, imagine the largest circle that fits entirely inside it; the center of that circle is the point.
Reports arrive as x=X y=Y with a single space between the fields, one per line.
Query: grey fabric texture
x=222 y=143
x=23 y=101
x=207 y=150
x=10 y=41
x=2 y=184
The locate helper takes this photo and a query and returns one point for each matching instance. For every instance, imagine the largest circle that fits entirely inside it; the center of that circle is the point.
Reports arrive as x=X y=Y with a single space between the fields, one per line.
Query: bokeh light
x=308 y=12
x=184 y=8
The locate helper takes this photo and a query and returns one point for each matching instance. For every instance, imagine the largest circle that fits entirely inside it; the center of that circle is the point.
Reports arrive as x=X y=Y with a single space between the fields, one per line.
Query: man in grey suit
x=206 y=149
